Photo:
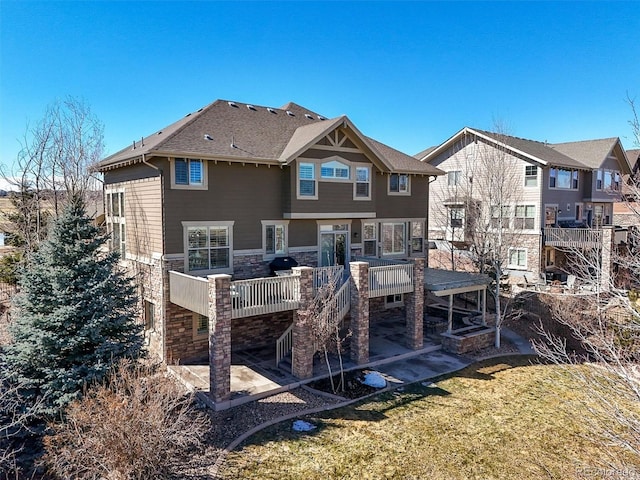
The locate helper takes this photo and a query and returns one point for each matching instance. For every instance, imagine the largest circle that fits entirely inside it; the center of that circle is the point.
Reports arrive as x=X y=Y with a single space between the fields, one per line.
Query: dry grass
x=501 y=419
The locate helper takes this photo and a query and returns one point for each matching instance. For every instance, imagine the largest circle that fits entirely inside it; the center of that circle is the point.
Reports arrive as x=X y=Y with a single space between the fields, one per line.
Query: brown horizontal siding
x=303 y=233
x=143 y=204
x=402 y=206
x=244 y=194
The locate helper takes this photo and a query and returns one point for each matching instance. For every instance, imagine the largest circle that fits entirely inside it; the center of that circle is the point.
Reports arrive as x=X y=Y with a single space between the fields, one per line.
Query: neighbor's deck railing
x=189 y=292
x=259 y=296
x=572 y=237
x=390 y=280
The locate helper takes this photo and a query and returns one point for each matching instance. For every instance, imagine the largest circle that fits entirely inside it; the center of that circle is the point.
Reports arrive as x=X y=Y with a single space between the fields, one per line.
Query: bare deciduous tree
x=324 y=323
x=53 y=165
x=606 y=322
x=482 y=192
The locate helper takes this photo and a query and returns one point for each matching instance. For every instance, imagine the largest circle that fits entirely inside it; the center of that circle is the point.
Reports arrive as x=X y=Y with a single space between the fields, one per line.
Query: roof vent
x=188 y=115
x=310 y=117
x=290 y=113
x=270 y=110
x=251 y=107
x=207 y=137
x=159 y=133
x=320 y=117
x=233 y=104
x=201 y=109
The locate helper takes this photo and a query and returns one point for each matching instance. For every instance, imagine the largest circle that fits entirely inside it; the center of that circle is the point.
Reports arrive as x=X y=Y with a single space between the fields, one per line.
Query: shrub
x=133 y=427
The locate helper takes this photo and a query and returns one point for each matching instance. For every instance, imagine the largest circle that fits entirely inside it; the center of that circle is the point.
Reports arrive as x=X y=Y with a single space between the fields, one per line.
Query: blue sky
x=408 y=74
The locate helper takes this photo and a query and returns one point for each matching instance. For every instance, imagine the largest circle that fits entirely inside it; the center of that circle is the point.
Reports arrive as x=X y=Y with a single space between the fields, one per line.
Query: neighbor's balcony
x=572 y=237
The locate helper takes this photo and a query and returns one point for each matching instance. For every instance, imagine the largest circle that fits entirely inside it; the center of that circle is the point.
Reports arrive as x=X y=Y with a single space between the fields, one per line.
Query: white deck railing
x=284 y=344
x=259 y=296
x=325 y=275
x=189 y=292
x=572 y=237
x=390 y=280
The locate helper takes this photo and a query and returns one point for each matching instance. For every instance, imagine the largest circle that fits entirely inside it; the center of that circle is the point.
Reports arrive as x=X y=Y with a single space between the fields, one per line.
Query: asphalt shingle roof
x=588 y=154
x=238 y=131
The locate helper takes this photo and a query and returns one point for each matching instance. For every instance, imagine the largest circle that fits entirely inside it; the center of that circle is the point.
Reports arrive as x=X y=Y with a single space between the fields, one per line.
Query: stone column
x=414 y=307
x=607 y=247
x=302 y=346
x=219 y=336
x=359 y=312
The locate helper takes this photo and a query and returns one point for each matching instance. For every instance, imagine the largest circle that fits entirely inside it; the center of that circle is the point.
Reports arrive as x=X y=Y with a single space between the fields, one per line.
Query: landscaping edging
x=235 y=443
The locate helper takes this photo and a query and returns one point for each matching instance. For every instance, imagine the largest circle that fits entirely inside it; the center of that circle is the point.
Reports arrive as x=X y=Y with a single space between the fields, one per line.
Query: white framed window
x=550 y=215
x=149 y=316
x=200 y=325
x=307 y=182
x=394 y=238
x=188 y=173
x=518 y=258
x=362 y=184
x=334 y=170
x=417 y=237
x=208 y=247
x=456 y=217
x=500 y=217
x=525 y=217
x=562 y=178
x=616 y=181
x=398 y=184
x=116 y=221
x=394 y=301
x=453 y=178
x=530 y=176
x=370 y=239
x=275 y=237
x=599 y=179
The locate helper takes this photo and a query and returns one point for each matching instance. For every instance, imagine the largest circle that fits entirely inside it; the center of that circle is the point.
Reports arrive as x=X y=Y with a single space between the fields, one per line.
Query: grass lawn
x=504 y=418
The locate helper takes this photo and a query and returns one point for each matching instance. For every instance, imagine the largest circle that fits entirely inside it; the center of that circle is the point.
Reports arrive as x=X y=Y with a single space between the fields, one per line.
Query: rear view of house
x=247 y=190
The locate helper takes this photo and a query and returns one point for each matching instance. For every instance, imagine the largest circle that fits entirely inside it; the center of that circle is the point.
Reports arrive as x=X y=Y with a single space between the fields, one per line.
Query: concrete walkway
x=251 y=381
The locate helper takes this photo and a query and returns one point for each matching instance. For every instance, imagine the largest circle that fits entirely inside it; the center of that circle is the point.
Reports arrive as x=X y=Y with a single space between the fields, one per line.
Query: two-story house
x=228 y=189
x=560 y=198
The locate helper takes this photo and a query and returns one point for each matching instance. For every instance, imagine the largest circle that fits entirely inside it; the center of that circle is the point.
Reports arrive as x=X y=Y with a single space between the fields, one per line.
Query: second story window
x=399 y=183
x=307 y=185
x=563 y=178
x=525 y=217
x=453 y=178
x=456 y=217
x=188 y=171
x=530 y=176
x=608 y=180
x=363 y=183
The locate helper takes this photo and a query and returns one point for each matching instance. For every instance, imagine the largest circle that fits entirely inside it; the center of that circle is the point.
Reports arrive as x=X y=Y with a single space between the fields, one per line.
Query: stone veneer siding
x=259 y=331
x=360 y=312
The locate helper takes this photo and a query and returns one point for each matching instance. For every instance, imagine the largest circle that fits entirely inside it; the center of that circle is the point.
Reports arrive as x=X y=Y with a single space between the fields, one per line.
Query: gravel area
x=227 y=425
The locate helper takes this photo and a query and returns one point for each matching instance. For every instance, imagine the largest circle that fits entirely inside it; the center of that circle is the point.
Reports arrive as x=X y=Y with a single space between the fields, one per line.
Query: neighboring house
x=231 y=187
x=566 y=193
x=627 y=212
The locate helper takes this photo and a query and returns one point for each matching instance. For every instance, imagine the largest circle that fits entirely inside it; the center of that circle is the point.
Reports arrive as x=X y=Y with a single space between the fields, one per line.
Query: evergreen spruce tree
x=73 y=317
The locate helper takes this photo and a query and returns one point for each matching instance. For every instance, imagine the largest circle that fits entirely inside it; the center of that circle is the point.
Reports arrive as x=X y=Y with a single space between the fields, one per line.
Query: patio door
x=334 y=245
